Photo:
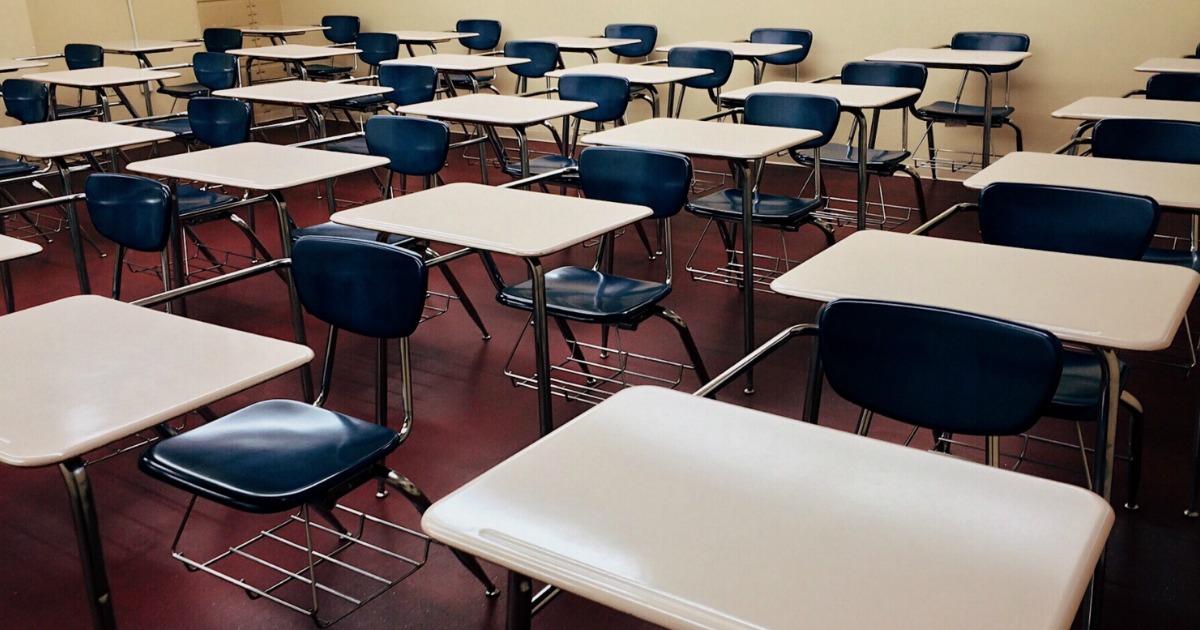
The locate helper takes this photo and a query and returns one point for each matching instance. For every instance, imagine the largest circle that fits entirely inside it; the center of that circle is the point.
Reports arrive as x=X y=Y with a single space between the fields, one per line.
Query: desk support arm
x=941 y=218
x=750 y=360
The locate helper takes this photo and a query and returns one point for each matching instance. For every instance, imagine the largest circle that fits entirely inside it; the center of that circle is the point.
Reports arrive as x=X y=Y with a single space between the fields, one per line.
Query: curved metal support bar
x=750 y=360
x=928 y=226
x=210 y=283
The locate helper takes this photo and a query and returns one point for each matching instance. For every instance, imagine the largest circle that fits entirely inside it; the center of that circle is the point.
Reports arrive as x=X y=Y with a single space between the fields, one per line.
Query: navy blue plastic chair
x=27 y=101
x=222 y=39
x=343 y=29
x=646 y=34
x=1083 y=222
x=133 y=212
x=789 y=36
x=818 y=113
x=282 y=455
x=657 y=180
x=542 y=56
x=719 y=61
x=377 y=48
x=82 y=56
x=956 y=113
x=410 y=84
x=213 y=70
x=1174 y=87
x=485 y=40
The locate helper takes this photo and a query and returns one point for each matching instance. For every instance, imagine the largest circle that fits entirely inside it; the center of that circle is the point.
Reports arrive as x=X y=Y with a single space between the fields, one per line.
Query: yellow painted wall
x=1080 y=47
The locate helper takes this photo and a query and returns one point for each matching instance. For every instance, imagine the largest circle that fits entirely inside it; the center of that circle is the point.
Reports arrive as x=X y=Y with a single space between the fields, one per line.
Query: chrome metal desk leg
x=285 y=241
x=537 y=276
x=87 y=533
x=749 y=178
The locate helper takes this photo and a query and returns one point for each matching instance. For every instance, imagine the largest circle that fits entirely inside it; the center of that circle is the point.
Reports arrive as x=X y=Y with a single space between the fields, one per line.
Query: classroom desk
x=308 y=95
x=94 y=370
x=57 y=140
x=1169 y=65
x=100 y=79
x=466 y=65
x=12 y=65
x=278 y=33
x=853 y=99
x=745 y=51
x=982 y=61
x=742 y=145
x=1092 y=109
x=693 y=513
x=585 y=45
x=518 y=223
x=140 y=49
x=640 y=77
x=428 y=38
x=290 y=54
x=490 y=110
x=12 y=249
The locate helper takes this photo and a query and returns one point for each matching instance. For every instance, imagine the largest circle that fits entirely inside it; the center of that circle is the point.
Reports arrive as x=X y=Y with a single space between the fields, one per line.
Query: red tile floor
x=469 y=417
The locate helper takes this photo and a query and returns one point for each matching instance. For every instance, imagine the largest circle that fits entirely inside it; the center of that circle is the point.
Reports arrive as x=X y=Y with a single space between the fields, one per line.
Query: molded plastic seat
x=213 y=70
x=646 y=34
x=542 y=56
x=222 y=39
x=338 y=230
x=949 y=111
x=10 y=167
x=410 y=84
x=196 y=201
x=587 y=295
x=343 y=29
x=778 y=211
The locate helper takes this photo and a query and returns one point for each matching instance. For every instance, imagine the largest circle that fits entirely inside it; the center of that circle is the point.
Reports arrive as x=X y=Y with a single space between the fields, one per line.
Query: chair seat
x=1177 y=257
x=178 y=126
x=464 y=81
x=348 y=231
x=545 y=164
x=196 y=201
x=364 y=103
x=947 y=110
x=272 y=456
x=83 y=111
x=586 y=295
x=9 y=167
x=845 y=156
x=325 y=70
x=1078 y=395
x=184 y=90
x=357 y=146
x=774 y=210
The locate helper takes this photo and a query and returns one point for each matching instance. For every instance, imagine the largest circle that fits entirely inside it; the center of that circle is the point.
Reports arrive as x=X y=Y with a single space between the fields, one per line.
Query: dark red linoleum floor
x=469 y=417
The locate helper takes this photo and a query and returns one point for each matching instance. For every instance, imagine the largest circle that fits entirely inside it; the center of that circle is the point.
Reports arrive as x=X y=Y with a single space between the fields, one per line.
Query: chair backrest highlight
x=799 y=36
x=27 y=101
x=410 y=84
x=610 y=94
x=1174 y=87
x=219 y=122
x=1150 y=140
x=215 y=70
x=655 y=179
x=414 y=146
x=377 y=47
x=367 y=288
x=717 y=60
x=887 y=74
x=222 y=39
x=81 y=56
x=131 y=211
x=343 y=29
x=939 y=369
x=798 y=111
x=487 y=34
x=1068 y=220
x=646 y=34
x=542 y=56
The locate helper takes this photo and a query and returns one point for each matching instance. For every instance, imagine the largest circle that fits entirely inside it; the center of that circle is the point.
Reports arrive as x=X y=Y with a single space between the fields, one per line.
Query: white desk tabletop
x=856 y=96
x=492 y=109
x=502 y=220
x=950 y=57
x=741 y=50
x=582 y=44
x=146 y=45
x=1120 y=304
x=301 y=92
x=12 y=65
x=104 y=76
x=292 y=52
x=429 y=37
x=703 y=138
x=1101 y=107
x=450 y=62
x=93 y=370
x=257 y=165
x=277 y=29
x=58 y=138
x=13 y=248
x=692 y=513
x=635 y=73
x=1172 y=185
x=1176 y=65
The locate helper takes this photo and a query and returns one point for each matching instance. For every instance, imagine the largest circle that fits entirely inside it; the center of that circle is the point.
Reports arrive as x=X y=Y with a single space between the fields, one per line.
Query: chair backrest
x=797 y=111
x=367 y=288
x=646 y=34
x=939 y=369
x=1068 y=220
x=129 y=210
x=719 y=61
x=377 y=47
x=27 y=101
x=487 y=34
x=343 y=29
x=542 y=56
x=222 y=39
x=80 y=56
x=887 y=74
x=1174 y=87
x=414 y=146
x=219 y=122
x=410 y=84
x=1150 y=140
x=986 y=40
x=800 y=36
x=610 y=94
x=215 y=70
x=655 y=179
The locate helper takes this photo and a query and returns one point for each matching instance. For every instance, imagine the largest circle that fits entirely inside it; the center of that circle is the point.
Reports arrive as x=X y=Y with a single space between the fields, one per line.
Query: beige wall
x=1080 y=47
